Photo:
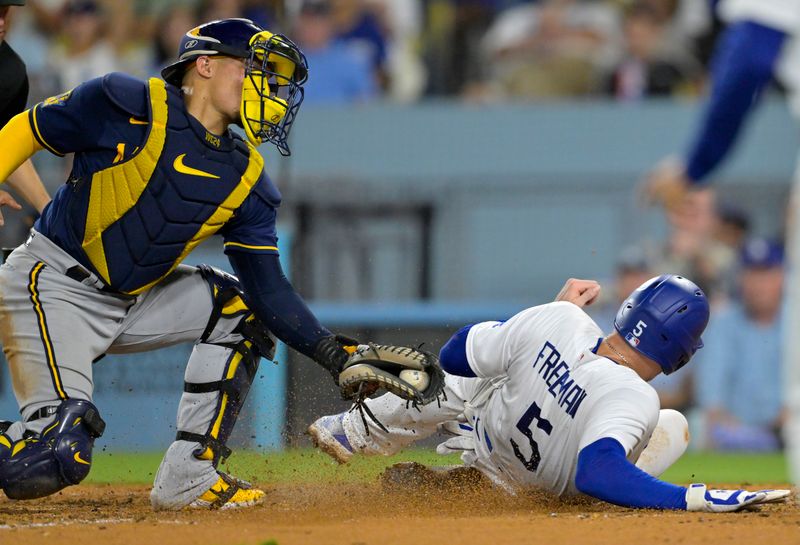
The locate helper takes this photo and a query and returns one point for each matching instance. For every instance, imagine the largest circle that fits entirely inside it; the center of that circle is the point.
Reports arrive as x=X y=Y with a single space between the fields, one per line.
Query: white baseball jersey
x=560 y=396
x=783 y=15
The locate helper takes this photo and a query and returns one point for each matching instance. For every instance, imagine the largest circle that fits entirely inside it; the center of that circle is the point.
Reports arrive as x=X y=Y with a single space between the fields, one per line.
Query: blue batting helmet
x=663 y=319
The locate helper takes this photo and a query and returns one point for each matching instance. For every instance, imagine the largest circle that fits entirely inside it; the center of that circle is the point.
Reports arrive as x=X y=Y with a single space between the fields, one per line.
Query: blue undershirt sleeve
x=274 y=301
x=453 y=355
x=742 y=67
x=604 y=473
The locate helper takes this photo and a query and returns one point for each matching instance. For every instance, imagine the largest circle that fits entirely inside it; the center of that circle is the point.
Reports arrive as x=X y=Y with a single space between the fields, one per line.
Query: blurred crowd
x=732 y=389
x=399 y=50
x=491 y=50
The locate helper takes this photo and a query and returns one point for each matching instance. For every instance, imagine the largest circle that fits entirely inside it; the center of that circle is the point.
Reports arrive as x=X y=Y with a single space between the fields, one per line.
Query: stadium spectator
x=552 y=48
x=82 y=52
x=357 y=24
x=265 y=13
x=692 y=248
x=742 y=358
x=648 y=67
x=404 y=67
x=453 y=54
x=170 y=28
x=732 y=229
x=632 y=268
x=210 y=10
x=338 y=73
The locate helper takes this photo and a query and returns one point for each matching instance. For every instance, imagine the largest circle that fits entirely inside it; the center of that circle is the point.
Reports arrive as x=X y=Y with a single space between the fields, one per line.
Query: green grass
x=714 y=467
x=307 y=466
x=291 y=466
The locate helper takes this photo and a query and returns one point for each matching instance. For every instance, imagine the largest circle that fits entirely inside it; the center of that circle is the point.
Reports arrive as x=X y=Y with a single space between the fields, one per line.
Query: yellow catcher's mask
x=272 y=92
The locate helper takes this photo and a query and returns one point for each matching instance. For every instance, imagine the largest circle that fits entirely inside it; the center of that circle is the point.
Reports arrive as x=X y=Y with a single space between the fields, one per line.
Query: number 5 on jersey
x=524 y=426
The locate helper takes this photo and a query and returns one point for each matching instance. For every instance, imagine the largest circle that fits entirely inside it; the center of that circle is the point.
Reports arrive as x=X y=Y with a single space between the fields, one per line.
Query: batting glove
x=699 y=498
x=463 y=438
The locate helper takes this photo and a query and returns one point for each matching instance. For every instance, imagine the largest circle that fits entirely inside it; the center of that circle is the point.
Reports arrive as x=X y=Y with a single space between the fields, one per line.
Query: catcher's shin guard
x=40 y=465
x=240 y=366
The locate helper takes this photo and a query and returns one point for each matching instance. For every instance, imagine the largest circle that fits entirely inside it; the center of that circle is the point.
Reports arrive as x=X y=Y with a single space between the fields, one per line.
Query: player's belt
x=59 y=261
x=81 y=275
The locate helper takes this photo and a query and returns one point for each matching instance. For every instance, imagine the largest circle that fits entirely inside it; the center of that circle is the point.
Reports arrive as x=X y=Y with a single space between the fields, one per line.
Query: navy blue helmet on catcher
x=275 y=71
x=229 y=37
x=663 y=319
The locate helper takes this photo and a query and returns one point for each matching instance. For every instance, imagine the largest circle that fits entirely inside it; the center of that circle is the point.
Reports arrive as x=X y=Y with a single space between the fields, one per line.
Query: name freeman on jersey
x=555 y=373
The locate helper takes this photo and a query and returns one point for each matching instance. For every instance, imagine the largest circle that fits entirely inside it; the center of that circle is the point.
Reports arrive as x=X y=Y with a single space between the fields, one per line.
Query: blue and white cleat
x=327 y=434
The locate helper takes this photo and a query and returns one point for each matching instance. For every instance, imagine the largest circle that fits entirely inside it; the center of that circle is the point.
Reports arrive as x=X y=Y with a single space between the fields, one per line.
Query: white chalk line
x=30 y=525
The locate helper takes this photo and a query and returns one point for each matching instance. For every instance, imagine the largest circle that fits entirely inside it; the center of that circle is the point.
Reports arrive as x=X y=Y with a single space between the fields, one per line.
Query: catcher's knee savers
x=40 y=465
x=240 y=369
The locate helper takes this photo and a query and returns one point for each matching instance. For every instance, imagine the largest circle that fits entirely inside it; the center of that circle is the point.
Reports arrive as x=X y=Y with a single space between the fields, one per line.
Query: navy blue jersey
x=148 y=182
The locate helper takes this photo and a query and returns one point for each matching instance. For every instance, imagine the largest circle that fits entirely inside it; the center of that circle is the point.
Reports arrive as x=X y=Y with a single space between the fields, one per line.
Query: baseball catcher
x=156 y=172
x=544 y=399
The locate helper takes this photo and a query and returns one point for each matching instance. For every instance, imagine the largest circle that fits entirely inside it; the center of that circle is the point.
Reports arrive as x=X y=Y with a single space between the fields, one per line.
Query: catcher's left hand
x=374 y=366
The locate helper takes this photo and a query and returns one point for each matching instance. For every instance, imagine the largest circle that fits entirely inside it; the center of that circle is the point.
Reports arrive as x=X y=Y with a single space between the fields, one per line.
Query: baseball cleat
x=327 y=434
x=229 y=493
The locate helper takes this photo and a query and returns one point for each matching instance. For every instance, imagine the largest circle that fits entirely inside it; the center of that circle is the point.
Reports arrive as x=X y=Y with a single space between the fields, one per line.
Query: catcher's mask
x=275 y=72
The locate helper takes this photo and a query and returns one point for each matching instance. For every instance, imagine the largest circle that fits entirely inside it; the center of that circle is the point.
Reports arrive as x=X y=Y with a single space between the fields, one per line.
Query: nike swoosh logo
x=80 y=460
x=134 y=121
x=178 y=165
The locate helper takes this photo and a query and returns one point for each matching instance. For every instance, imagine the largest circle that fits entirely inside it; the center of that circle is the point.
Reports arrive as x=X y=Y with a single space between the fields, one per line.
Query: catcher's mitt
x=374 y=366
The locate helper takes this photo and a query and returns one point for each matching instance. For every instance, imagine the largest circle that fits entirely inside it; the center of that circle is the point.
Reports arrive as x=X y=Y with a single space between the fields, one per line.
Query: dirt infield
x=371 y=514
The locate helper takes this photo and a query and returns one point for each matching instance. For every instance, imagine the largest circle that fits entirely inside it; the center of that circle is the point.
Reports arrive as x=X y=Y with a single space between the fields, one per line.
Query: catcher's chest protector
x=146 y=213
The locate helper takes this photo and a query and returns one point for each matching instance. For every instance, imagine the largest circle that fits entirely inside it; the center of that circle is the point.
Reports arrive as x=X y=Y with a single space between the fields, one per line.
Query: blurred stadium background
x=456 y=161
